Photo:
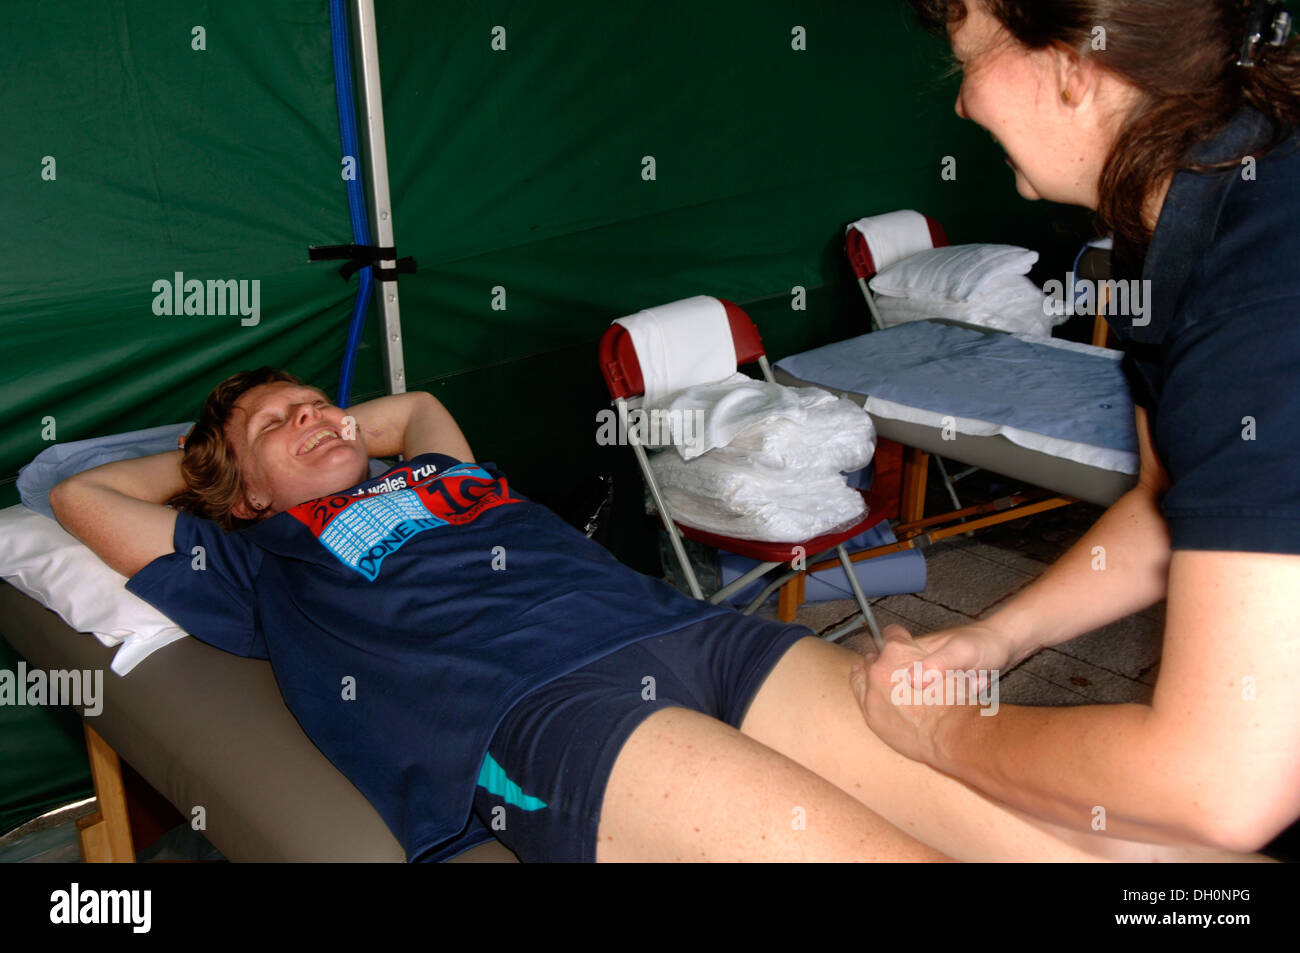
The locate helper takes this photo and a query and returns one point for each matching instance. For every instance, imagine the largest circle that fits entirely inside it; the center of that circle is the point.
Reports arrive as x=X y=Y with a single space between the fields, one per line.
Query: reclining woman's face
x=293 y=445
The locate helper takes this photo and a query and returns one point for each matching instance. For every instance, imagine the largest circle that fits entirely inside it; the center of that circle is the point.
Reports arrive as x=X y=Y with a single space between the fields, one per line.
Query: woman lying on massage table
x=475 y=665
x=1096 y=104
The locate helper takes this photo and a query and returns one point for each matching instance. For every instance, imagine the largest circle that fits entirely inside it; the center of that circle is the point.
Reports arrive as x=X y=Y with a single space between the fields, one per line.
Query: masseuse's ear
x=1076 y=76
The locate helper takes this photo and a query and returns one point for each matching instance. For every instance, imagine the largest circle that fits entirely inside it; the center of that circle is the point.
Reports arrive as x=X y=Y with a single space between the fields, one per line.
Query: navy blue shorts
x=543 y=782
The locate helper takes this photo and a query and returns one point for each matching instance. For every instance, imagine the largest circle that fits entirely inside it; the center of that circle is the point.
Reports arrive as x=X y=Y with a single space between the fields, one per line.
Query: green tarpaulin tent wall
x=151 y=138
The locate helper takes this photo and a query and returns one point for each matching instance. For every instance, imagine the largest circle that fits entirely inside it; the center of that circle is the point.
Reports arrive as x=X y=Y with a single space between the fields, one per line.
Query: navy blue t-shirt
x=1218 y=364
x=404 y=617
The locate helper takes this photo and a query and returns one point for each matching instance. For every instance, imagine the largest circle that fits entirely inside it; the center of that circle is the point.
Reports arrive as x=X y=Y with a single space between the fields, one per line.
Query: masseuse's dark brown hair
x=1180 y=54
x=213 y=482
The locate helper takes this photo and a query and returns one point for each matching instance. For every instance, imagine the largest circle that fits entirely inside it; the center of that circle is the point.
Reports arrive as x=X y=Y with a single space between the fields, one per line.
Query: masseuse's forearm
x=1108 y=769
x=1119 y=567
x=154 y=479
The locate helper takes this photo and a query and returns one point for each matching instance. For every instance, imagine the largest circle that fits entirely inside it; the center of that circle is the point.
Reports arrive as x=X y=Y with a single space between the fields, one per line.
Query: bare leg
x=807 y=711
x=688 y=787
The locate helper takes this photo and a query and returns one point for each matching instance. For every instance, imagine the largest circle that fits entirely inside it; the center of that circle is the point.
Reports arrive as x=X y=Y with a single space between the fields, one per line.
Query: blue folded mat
x=55 y=464
x=991 y=377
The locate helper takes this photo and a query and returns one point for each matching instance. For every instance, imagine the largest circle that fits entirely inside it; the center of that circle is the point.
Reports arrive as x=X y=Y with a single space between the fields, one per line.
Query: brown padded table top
x=208 y=728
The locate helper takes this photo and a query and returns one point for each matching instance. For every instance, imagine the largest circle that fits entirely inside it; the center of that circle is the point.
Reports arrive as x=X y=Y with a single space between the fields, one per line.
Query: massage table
x=1052 y=414
x=207 y=728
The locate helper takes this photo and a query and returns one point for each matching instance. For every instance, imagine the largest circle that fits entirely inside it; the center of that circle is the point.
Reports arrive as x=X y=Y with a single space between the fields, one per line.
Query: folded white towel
x=753 y=502
x=720 y=411
x=835 y=438
x=769 y=463
x=894 y=235
x=682 y=343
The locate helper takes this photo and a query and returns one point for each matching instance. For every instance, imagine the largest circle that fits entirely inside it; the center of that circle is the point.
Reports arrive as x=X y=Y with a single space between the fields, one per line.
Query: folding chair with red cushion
x=621 y=367
x=865 y=265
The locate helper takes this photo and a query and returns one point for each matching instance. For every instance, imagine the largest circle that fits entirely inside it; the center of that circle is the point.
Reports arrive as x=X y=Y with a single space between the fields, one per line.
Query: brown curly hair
x=1181 y=55
x=214 y=485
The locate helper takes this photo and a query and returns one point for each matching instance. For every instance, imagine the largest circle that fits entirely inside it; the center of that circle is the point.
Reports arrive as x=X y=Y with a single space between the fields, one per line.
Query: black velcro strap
x=361 y=256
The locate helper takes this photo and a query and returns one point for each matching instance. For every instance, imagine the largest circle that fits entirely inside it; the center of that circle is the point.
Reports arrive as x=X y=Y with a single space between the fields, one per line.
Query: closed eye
x=274 y=421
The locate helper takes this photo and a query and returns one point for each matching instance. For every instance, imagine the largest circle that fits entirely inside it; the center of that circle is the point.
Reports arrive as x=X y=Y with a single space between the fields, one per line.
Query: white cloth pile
x=753 y=460
x=767 y=462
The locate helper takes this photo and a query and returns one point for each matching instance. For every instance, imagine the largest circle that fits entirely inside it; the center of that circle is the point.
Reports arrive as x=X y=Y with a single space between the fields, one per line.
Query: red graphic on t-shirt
x=456 y=496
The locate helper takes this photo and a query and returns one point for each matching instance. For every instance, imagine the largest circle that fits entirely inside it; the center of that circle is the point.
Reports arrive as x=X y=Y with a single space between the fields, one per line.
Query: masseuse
x=1177 y=124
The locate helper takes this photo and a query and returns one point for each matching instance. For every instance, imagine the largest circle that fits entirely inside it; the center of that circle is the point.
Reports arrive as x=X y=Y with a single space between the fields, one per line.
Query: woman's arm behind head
x=410 y=423
x=118 y=509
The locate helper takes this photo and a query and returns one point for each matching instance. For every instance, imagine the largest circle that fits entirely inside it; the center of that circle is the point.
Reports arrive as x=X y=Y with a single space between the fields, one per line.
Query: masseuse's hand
x=981 y=646
x=886 y=685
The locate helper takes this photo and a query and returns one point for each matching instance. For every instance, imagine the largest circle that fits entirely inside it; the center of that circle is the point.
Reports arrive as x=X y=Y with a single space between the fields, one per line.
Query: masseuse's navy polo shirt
x=404 y=617
x=1218 y=366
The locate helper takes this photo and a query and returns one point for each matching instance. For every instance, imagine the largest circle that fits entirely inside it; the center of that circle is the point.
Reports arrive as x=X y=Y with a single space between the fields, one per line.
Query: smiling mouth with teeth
x=316 y=440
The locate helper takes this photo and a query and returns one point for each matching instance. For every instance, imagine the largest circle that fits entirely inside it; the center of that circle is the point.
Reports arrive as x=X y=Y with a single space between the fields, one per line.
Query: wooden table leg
x=916 y=465
x=105 y=835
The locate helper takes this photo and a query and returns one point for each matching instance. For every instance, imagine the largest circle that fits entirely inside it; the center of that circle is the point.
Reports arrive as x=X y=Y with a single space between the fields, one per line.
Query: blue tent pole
x=341 y=46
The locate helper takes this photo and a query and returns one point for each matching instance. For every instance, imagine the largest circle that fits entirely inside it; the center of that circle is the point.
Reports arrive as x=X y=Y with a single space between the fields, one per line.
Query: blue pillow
x=55 y=464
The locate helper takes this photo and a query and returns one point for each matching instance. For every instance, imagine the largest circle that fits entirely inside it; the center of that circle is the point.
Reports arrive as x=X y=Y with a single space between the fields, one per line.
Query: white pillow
x=42 y=559
x=1010 y=303
x=952 y=273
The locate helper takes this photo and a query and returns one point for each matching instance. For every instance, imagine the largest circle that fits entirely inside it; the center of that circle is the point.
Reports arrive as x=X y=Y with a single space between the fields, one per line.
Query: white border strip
x=1103 y=458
